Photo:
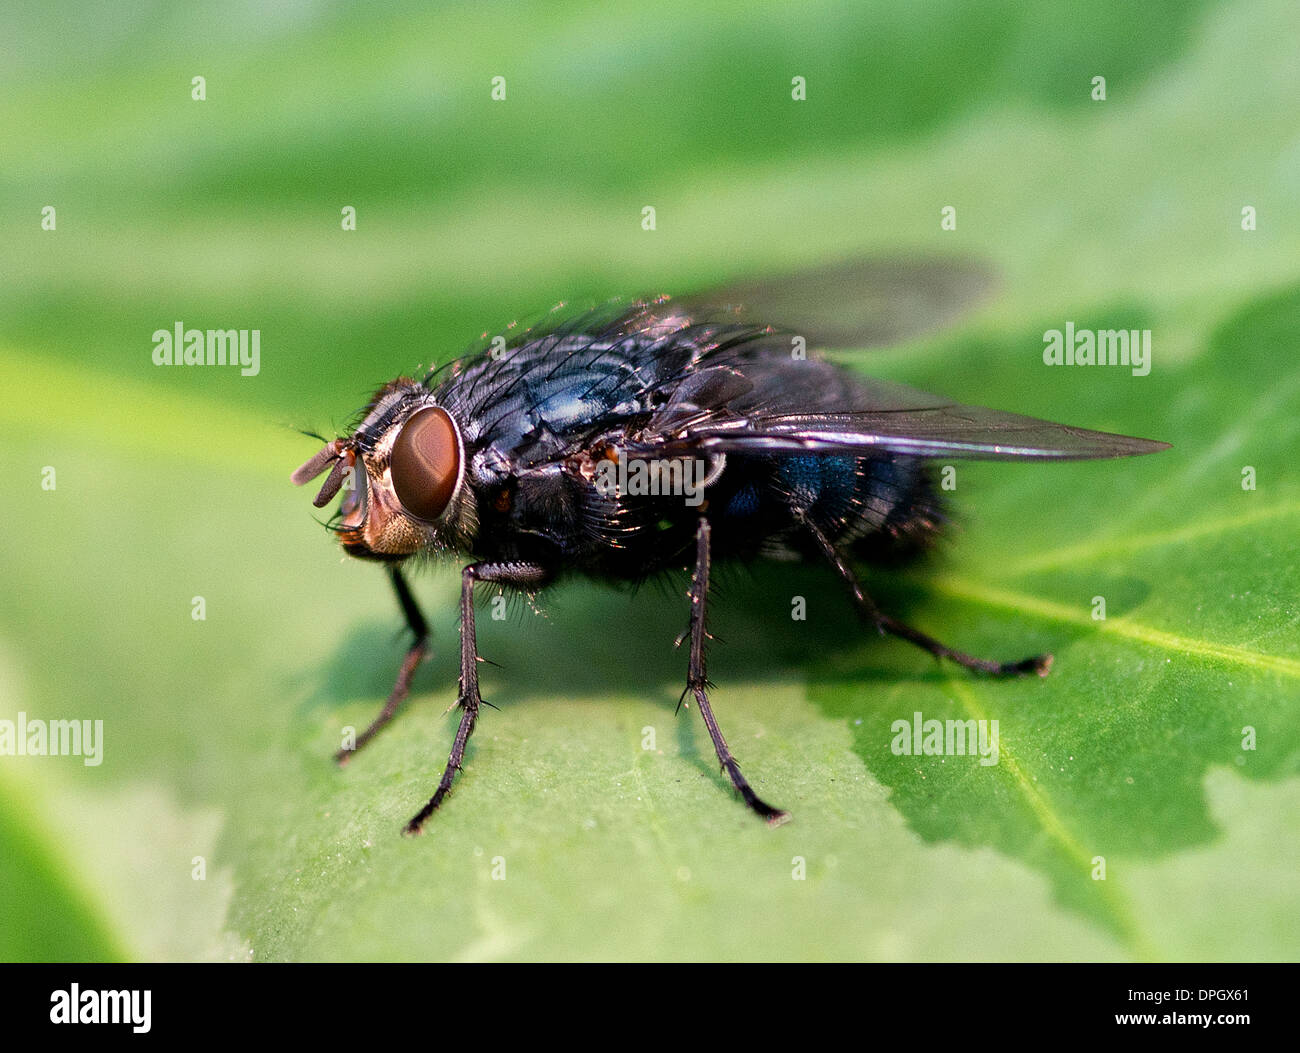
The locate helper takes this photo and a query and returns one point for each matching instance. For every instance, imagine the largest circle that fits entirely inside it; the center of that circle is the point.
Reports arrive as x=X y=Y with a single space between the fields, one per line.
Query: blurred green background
x=173 y=484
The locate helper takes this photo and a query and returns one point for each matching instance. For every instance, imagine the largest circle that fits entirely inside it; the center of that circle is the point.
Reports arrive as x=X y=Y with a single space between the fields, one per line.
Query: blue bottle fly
x=662 y=435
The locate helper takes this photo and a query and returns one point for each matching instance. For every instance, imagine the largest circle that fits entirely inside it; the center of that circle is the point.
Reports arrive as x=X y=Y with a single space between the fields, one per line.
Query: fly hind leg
x=873 y=615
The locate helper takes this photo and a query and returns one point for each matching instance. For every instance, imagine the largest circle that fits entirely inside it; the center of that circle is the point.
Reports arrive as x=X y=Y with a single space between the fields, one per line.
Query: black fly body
x=667 y=434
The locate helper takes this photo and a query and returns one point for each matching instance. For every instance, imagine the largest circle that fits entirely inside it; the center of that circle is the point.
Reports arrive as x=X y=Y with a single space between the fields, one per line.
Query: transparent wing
x=720 y=362
x=903 y=420
x=855 y=303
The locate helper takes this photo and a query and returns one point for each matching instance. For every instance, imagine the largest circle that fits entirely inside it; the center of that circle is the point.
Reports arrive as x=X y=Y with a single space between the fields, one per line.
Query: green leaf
x=217 y=827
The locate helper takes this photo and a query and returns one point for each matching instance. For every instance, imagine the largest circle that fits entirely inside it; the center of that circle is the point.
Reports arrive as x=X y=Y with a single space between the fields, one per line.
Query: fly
x=665 y=434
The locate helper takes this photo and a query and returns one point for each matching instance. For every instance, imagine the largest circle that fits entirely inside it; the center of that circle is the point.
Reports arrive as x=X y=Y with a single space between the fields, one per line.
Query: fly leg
x=526 y=576
x=415 y=622
x=697 y=680
x=872 y=614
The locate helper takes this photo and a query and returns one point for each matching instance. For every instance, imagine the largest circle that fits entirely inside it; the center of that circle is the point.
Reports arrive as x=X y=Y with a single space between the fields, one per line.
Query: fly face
x=402 y=473
x=498 y=456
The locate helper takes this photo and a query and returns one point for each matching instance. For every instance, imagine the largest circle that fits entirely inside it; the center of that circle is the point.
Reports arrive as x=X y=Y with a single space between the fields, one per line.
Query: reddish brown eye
x=426 y=463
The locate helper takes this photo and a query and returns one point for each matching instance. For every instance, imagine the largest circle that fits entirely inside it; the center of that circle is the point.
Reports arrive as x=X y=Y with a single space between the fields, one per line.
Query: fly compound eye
x=425 y=463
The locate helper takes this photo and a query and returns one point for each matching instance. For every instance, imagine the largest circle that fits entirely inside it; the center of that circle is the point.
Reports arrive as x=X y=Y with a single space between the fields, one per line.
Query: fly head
x=402 y=473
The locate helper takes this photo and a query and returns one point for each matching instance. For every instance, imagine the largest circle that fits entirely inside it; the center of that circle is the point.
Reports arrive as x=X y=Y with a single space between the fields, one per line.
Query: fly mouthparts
x=307 y=472
x=331 y=452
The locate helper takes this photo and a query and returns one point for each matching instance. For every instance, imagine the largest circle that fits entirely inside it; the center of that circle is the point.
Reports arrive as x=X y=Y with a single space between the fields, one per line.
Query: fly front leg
x=697 y=680
x=525 y=576
x=419 y=648
x=873 y=615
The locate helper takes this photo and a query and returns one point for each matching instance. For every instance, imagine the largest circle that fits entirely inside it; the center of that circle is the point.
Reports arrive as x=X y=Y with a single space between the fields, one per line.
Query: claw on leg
x=1040 y=664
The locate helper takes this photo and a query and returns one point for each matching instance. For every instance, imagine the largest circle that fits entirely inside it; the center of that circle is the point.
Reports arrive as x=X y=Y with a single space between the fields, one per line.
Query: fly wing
x=855 y=303
x=712 y=372
x=892 y=418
